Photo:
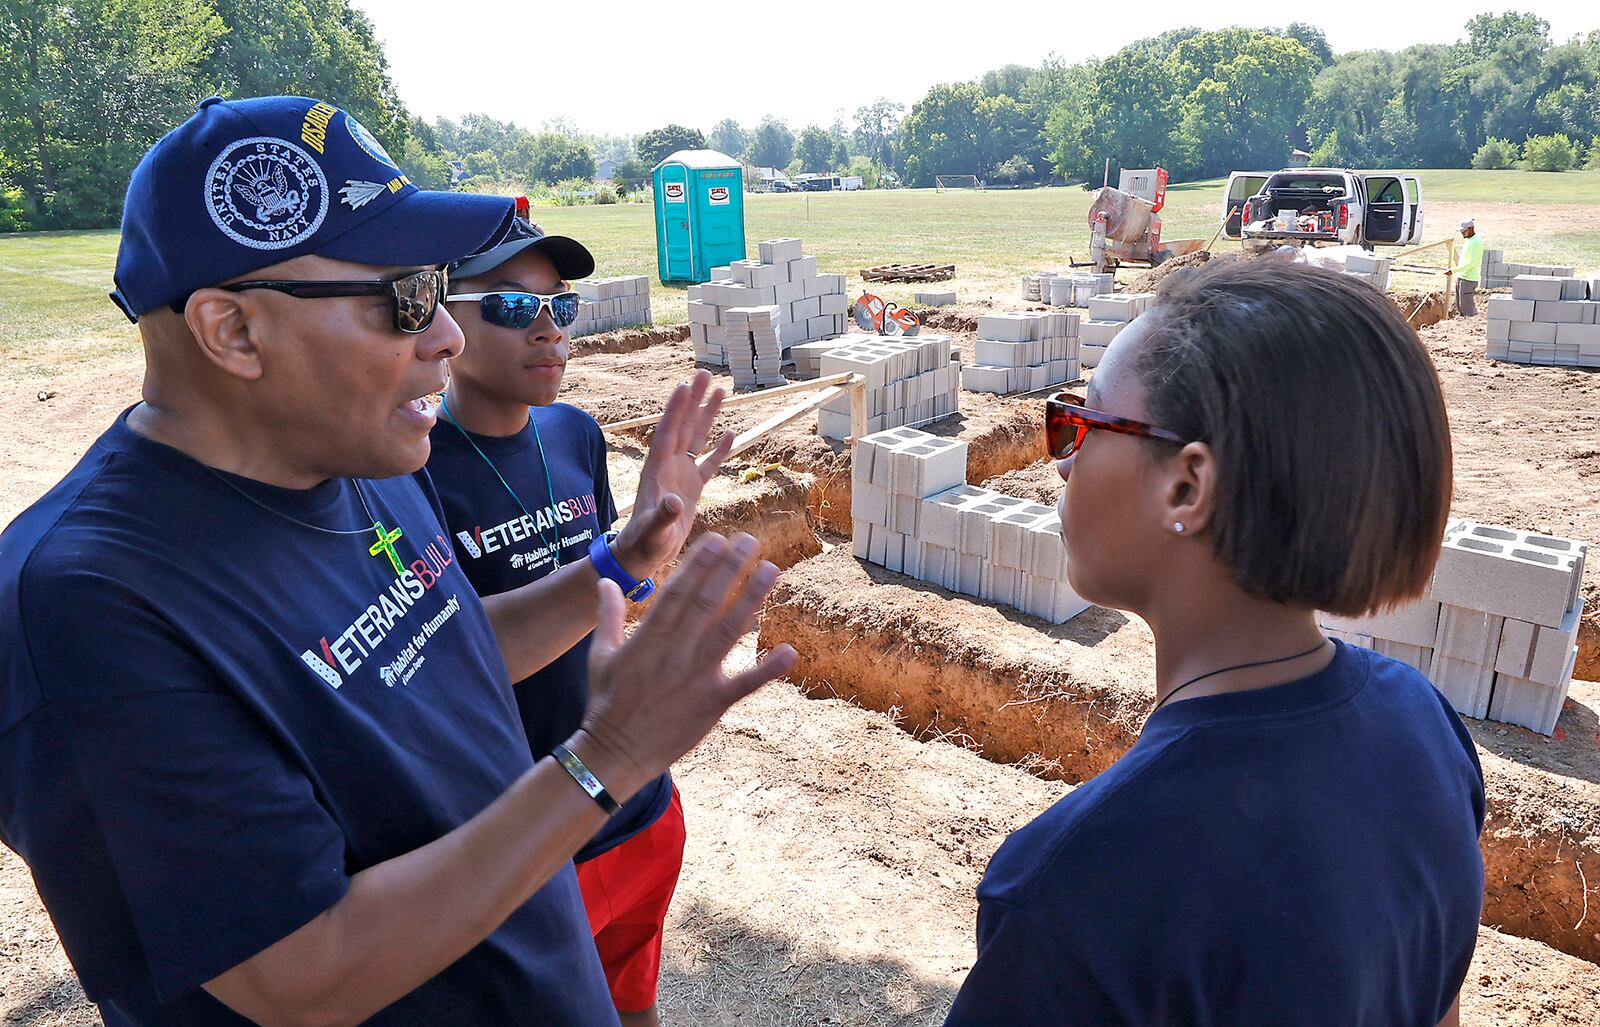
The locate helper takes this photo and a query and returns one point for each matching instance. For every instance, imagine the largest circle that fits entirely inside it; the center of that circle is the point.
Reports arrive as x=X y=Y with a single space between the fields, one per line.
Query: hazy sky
x=625 y=67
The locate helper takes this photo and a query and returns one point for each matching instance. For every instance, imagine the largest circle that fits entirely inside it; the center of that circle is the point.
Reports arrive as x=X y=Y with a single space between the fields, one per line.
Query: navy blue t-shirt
x=503 y=541
x=1303 y=854
x=212 y=716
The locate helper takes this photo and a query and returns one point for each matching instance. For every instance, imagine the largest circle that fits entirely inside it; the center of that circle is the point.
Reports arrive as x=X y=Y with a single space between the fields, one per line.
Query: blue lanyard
x=550 y=488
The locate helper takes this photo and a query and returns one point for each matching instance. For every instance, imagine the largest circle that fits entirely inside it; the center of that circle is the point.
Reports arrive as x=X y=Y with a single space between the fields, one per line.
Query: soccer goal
x=941 y=183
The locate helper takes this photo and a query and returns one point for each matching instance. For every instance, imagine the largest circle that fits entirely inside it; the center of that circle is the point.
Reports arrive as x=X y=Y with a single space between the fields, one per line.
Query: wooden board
x=908 y=273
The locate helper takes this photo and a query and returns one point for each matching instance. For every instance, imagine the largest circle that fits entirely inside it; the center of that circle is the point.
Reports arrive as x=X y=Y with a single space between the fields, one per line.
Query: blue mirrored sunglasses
x=520 y=309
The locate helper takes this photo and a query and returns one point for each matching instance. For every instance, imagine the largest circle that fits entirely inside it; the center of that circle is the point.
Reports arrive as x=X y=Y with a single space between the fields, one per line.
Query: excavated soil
x=626 y=340
x=829 y=878
x=1067 y=701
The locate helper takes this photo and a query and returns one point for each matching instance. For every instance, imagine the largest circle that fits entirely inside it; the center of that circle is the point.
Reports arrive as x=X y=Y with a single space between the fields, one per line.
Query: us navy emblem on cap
x=266 y=193
x=368 y=142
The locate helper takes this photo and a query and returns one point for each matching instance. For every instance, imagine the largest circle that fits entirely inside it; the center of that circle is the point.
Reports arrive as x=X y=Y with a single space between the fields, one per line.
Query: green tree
x=557 y=157
x=1349 y=100
x=771 y=144
x=728 y=137
x=658 y=144
x=876 y=125
x=1006 y=81
x=814 y=150
x=1549 y=153
x=1127 y=114
x=322 y=48
x=1495 y=154
x=1243 y=95
x=1310 y=37
x=631 y=174
x=940 y=135
x=85 y=88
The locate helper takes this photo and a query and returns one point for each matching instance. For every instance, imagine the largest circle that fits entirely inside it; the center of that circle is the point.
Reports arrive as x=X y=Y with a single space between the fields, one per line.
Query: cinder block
x=894 y=551
x=801 y=268
x=986 y=378
x=1005 y=327
x=1417 y=657
x=1536 y=287
x=969 y=574
x=1114 y=308
x=1532 y=331
x=1068 y=603
x=939 y=519
x=1044 y=550
x=1089 y=355
x=1099 y=333
x=927 y=465
x=1505 y=308
x=1574 y=289
x=1500 y=331
x=878 y=539
x=1509 y=573
x=1463 y=658
x=779 y=251
x=1587 y=334
x=1006 y=532
x=1414 y=623
x=869 y=502
x=1529 y=703
x=1533 y=652
x=860 y=536
x=936 y=299
x=999 y=584
x=1558 y=312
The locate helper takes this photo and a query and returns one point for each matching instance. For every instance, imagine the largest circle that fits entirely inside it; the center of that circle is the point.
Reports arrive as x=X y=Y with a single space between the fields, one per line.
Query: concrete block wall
x=1497 y=631
x=913 y=513
x=753 y=353
x=910 y=380
x=605 y=304
x=810 y=305
x=1108 y=316
x=1497 y=273
x=1547 y=319
x=1065 y=290
x=1022 y=352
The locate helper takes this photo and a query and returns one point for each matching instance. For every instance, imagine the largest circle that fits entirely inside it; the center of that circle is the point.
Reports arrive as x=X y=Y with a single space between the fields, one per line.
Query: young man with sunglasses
x=523 y=482
x=257 y=732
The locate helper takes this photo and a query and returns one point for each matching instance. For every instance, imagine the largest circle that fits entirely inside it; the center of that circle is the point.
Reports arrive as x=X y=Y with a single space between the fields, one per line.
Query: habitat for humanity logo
x=337 y=656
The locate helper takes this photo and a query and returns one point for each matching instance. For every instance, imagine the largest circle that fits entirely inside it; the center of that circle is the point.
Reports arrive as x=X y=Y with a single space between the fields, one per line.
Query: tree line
x=87 y=85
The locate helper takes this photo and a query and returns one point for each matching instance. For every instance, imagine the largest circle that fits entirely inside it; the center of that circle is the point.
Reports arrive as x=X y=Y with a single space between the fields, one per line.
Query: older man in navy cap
x=258 y=739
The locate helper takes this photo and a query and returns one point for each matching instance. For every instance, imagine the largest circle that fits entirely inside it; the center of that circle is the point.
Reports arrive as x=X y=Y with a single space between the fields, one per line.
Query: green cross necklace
x=385 y=544
x=386 y=537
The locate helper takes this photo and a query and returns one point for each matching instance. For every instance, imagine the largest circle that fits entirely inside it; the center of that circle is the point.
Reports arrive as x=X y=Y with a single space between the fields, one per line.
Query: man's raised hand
x=655 y=694
x=673 y=477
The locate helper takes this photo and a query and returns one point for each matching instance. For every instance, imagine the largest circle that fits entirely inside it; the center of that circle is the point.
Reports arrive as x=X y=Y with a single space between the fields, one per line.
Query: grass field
x=53 y=286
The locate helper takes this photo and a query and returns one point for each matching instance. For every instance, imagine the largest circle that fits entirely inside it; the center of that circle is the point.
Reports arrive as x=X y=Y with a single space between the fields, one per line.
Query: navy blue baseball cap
x=247 y=183
x=571 y=258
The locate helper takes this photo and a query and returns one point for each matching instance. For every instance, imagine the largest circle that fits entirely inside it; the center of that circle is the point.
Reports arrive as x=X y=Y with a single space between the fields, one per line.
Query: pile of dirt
x=1147 y=281
x=1422 y=308
x=626 y=340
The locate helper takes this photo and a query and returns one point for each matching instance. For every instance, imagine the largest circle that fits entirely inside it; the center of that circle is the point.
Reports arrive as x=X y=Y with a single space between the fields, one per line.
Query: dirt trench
x=1066 y=701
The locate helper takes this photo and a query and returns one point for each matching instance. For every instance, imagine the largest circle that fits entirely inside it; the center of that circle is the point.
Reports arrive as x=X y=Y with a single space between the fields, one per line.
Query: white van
x=1315 y=205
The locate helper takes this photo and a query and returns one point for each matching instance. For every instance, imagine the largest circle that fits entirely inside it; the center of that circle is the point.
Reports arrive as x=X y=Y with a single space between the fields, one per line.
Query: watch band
x=606 y=565
x=585 y=778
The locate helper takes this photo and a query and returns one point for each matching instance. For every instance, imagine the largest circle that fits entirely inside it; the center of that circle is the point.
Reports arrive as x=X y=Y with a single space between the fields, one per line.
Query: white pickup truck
x=1315 y=205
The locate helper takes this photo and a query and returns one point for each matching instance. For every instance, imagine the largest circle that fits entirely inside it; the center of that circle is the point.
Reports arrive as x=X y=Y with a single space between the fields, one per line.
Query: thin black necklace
x=1237 y=666
x=549 y=486
x=354 y=483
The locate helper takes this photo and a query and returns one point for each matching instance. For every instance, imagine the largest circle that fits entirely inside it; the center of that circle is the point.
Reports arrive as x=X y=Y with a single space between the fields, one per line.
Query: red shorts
x=626 y=891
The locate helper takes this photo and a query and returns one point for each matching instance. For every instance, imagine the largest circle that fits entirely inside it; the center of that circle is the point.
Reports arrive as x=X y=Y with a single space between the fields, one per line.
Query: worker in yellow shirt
x=1467 y=269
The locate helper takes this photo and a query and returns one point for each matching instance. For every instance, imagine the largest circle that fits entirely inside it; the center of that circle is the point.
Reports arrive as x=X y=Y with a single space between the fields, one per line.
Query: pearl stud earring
x=1177 y=526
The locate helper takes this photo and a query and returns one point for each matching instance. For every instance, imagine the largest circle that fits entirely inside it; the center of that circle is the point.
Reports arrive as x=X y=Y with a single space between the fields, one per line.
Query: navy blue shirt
x=1303 y=854
x=505 y=540
x=212 y=716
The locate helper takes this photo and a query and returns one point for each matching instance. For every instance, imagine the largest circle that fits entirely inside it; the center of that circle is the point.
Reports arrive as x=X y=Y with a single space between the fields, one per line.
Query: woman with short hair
x=1294 y=837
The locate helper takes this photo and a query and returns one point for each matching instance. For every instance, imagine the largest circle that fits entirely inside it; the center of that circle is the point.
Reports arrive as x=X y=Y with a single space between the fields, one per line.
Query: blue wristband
x=606 y=565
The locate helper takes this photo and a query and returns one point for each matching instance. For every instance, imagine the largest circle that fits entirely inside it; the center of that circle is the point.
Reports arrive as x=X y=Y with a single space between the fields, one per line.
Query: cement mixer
x=1125 y=222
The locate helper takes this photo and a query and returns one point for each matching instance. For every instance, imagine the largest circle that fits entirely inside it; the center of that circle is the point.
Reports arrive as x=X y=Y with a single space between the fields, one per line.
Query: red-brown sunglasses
x=1067 y=422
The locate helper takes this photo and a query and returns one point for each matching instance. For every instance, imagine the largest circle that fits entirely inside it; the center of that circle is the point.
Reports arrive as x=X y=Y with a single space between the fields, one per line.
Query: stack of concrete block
x=752 y=347
x=810 y=305
x=807 y=356
x=1497 y=273
x=936 y=299
x=1022 y=352
x=605 y=304
x=1497 y=631
x=1370 y=268
x=1108 y=316
x=914 y=514
x=1546 y=320
x=1070 y=290
x=909 y=381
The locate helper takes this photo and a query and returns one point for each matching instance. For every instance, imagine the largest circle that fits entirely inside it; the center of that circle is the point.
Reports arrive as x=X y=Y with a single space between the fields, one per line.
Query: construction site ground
x=826 y=884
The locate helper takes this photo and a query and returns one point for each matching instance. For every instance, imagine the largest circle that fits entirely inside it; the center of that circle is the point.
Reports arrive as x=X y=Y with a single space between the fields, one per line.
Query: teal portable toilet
x=699 y=214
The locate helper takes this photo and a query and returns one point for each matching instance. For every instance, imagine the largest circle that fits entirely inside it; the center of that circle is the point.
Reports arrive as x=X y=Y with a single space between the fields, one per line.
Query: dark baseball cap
x=243 y=184
x=571 y=258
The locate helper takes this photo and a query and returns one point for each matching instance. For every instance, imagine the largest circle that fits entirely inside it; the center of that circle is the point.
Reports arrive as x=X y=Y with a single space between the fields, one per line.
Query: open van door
x=1386 y=209
x=1241 y=186
x=1413 y=187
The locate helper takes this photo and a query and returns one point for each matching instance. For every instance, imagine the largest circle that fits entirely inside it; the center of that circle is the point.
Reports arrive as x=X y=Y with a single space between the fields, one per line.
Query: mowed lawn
x=53 y=285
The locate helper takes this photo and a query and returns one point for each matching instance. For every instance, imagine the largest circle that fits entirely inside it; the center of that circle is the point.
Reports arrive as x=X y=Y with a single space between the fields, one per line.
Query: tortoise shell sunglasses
x=1067 y=422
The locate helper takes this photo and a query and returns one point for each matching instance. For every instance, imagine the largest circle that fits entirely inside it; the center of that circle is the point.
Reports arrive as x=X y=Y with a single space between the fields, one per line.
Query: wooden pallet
x=908 y=273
